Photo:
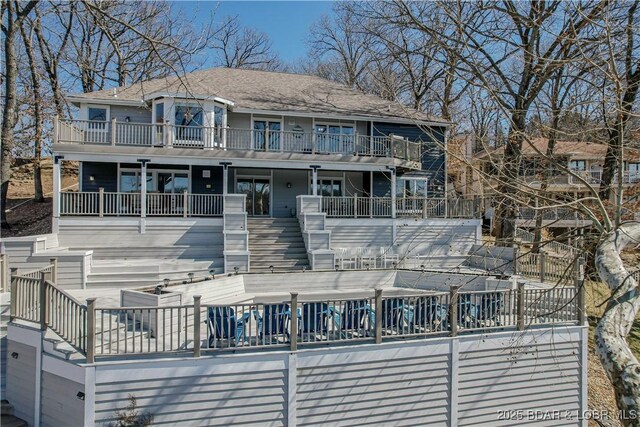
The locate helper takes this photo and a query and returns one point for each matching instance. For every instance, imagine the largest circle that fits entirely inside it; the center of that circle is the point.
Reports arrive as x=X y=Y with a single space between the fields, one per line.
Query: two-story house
x=576 y=172
x=165 y=153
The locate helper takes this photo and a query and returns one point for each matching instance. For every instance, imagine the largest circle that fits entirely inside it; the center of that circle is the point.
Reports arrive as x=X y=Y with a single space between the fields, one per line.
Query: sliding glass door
x=258 y=191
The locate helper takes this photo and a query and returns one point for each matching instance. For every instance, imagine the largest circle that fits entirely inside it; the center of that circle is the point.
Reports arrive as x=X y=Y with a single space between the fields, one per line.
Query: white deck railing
x=381 y=207
x=148 y=134
x=129 y=204
x=595 y=177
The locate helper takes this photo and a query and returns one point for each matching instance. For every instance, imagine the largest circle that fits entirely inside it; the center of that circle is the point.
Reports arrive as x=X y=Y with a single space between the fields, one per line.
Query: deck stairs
x=145 y=272
x=276 y=242
x=7 y=417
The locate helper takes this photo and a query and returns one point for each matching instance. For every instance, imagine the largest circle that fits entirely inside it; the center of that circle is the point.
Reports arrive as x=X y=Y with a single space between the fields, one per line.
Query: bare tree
x=511 y=49
x=13 y=13
x=341 y=51
x=240 y=47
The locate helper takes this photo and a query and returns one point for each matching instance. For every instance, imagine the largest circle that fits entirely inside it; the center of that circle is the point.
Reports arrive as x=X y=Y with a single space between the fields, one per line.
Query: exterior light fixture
x=14 y=355
x=190 y=275
x=236 y=269
x=271 y=268
x=92 y=178
x=288 y=185
x=80 y=395
x=212 y=273
x=166 y=282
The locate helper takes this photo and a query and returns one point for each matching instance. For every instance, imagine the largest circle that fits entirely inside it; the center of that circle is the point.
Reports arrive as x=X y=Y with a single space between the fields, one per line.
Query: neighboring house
x=196 y=139
x=473 y=175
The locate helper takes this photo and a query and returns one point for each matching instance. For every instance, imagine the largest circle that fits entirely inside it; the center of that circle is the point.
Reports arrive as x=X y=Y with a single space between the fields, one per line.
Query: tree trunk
x=507 y=210
x=37 y=116
x=9 y=111
x=620 y=364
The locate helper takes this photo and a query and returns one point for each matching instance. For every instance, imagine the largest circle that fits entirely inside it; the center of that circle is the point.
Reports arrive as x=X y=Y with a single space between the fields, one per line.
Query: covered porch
x=148 y=187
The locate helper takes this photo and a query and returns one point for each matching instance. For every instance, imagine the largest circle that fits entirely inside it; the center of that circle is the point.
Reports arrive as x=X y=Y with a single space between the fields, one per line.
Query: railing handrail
x=114 y=132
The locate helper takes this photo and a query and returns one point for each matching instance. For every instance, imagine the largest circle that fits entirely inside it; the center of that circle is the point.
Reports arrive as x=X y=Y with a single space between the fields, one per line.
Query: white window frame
x=154 y=177
x=104 y=128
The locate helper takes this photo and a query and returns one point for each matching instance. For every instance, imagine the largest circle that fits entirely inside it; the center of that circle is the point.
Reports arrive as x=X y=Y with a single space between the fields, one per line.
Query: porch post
x=225 y=177
x=314 y=180
x=56 y=187
x=143 y=187
x=393 y=191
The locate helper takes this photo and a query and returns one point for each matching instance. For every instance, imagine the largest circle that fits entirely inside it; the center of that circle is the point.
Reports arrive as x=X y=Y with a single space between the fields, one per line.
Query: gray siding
x=135 y=114
x=21 y=383
x=202 y=392
x=357 y=233
x=433 y=150
x=60 y=405
x=284 y=199
x=532 y=377
x=393 y=386
x=105 y=176
x=238 y=120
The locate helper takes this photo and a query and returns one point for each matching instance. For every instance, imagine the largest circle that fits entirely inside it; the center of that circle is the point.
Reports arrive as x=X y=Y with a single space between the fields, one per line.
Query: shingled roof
x=266 y=90
x=573 y=149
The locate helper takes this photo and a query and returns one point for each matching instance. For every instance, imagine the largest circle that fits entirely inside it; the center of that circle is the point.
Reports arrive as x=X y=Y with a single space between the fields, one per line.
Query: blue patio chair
x=223 y=324
x=489 y=309
x=467 y=311
x=355 y=315
x=393 y=315
x=427 y=313
x=313 y=318
x=274 y=321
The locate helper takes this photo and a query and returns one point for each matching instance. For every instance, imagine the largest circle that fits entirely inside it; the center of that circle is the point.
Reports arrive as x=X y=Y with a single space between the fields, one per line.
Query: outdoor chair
x=346 y=258
x=356 y=318
x=223 y=325
x=393 y=316
x=467 y=311
x=426 y=314
x=313 y=318
x=274 y=322
x=366 y=258
x=489 y=309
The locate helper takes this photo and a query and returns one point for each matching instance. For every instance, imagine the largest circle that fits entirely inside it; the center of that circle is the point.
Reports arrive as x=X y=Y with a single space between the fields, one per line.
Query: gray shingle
x=265 y=90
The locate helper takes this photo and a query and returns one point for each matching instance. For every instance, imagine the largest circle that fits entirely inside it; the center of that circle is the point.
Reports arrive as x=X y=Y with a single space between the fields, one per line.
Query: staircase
x=276 y=242
x=7 y=417
x=145 y=272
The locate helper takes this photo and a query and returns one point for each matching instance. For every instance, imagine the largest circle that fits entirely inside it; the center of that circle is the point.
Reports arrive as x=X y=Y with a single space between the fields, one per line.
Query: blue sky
x=286 y=22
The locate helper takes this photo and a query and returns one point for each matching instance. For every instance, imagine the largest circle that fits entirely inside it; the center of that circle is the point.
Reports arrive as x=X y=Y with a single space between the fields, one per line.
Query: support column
x=143 y=188
x=57 y=179
x=393 y=192
x=314 y=179
x=143 y=194
x=225 y=176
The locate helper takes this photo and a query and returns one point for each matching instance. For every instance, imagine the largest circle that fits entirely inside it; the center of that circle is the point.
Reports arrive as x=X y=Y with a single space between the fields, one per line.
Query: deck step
x=276 y=243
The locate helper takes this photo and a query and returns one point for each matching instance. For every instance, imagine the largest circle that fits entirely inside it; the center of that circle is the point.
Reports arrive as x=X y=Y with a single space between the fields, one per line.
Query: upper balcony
x=166 y=136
